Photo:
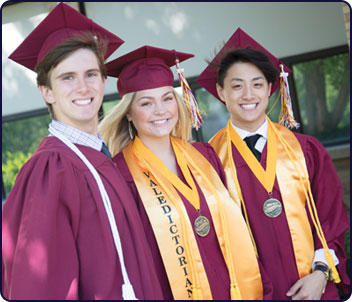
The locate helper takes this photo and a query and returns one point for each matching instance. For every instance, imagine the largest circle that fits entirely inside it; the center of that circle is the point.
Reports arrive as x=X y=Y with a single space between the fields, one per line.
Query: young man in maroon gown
x=57 y=234
x=243 y=75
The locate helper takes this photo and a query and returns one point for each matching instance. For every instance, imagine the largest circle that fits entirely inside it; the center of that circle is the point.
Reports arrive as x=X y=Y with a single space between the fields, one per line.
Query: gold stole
x=293 y=195
x=174 y=231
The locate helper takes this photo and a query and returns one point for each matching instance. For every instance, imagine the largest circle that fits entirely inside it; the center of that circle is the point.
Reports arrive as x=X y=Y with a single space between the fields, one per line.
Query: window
x=323 y=93
x=107 y=106
x=214 y=114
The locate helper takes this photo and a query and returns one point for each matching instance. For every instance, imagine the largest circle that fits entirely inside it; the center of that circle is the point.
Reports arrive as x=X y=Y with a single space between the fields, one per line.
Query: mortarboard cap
x=208 y=78
x=61 y=23
x=145 y=68
x=148 y=67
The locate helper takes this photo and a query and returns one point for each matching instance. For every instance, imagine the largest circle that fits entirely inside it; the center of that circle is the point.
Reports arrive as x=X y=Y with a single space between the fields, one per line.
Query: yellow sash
x=174 y=230
x=292 y=187
x=294 y=201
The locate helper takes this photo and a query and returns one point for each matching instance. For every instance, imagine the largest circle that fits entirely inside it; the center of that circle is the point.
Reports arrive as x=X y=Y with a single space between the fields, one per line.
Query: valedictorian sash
x=285 y=159
x=174 y=230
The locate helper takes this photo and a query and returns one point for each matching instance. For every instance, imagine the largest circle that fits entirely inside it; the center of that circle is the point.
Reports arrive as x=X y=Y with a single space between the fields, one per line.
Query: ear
x=128 y=115
x=270 y=85
x=220 y=91
x=47 y=94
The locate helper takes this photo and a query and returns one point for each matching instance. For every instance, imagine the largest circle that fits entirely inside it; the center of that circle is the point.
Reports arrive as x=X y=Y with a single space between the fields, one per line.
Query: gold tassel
x=286 y=115
x=189 y=98
x=333 y=270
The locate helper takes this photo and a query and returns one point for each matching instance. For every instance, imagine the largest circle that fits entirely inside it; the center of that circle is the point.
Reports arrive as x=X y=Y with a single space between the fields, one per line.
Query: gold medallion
x=202 y=226
x=272 y=207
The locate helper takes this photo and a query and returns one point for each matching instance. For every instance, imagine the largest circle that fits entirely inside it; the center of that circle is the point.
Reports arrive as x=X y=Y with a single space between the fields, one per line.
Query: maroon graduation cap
x=61 y=23
x=208 y=78
x=145 y=68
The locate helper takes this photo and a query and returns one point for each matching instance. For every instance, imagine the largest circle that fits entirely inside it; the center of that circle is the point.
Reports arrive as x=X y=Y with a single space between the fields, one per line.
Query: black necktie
x=105 y=150
x=251 y=141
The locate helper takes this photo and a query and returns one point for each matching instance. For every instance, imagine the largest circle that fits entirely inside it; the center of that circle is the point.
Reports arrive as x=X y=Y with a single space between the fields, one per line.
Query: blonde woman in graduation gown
x=200 y=243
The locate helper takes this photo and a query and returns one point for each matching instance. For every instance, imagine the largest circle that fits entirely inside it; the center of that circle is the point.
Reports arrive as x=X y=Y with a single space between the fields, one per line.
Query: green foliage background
x=323 y=92
x=19 y=141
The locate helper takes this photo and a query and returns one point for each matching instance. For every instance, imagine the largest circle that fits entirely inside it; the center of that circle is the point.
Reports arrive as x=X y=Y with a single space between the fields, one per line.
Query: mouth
x=83 y=102
x=249 y=106
x=160 y=122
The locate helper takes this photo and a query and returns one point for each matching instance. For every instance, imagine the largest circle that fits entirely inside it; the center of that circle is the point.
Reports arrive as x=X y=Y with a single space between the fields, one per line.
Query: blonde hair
x=114 y=127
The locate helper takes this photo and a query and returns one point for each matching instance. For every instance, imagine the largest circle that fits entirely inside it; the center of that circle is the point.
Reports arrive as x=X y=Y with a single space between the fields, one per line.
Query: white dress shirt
x=262 y=130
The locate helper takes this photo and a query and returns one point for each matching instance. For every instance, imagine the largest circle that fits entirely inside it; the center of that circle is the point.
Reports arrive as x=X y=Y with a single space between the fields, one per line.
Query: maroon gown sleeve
x=327 y=192
x=39 y=253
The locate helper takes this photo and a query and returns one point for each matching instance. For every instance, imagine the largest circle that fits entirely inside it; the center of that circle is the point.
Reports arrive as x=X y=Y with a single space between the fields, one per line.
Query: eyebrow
x=150 y=97
x=254 y=79
x=61 y=75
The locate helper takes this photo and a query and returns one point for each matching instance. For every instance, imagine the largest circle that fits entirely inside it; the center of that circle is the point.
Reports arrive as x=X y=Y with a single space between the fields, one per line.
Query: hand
x=311 y=287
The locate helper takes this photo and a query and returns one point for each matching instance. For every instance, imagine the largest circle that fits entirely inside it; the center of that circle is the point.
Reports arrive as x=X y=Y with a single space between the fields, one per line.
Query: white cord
x=127 y=288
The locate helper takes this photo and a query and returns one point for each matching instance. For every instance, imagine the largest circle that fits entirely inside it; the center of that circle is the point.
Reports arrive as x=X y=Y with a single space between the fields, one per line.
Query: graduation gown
x=272 y=236
x=57 y=242
x=209 y=248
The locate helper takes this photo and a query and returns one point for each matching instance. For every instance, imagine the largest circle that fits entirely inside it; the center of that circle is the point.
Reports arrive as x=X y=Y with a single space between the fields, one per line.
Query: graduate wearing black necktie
x=279 y=176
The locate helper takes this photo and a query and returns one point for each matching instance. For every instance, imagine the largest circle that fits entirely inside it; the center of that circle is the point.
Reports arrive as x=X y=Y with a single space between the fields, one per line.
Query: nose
x=247 y=93
x=82 y=85
x=159 y=108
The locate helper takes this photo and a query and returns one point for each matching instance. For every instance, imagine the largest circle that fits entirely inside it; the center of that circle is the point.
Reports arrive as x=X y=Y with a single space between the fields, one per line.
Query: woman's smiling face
x=154 y=112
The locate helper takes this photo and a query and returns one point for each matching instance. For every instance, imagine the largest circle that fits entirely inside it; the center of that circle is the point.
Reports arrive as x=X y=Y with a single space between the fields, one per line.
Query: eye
x=170 y=98
x=144 y=104
x=92 y=74
x=67 y=78
x=236 y=86
x=258 y=85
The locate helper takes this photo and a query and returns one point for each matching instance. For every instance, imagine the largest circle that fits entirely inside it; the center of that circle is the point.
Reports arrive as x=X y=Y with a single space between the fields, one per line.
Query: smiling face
x=77 y=90
x=246 y=94
x=154 y=113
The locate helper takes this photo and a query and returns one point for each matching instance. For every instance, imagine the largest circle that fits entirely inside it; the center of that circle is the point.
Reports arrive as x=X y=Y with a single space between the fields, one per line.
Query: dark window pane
x=107 y=106
x=274 y=107
x=323 y=92
x=19 y=140
x=214 y=113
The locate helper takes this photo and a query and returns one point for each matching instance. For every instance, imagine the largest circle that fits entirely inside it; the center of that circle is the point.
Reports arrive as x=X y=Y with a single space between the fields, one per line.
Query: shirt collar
x=262 y=130
x=77 y=136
